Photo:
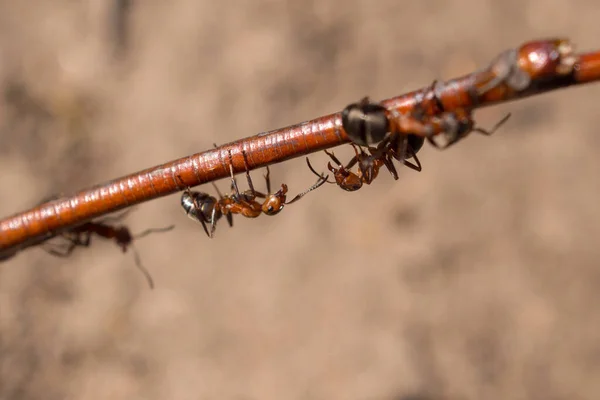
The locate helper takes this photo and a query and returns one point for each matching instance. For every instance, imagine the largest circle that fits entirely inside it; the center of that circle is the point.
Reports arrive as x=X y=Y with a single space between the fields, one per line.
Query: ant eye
x=270 y=208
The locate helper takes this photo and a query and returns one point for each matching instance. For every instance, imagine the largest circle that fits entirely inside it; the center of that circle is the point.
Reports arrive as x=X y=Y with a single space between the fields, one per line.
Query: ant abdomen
x=365 y=123
x=199 y=206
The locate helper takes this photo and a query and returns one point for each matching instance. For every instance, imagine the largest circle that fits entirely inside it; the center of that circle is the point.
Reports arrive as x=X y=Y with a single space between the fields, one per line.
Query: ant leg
x=59 y=251
x=187 y=188
x=400 y=147
x=436 y=98
x=320 y=182
x=250 y=184
x=205 y=227
x=234 y=185
x=357 y=156
x=389 y=163
x=256 y=193
x=143 y=270
x=494 y=128
x=363 y=170
x=268 y=180
x=413 y=155
x=213 y=222
x=82 y=239
x=315 y=172
x=229 y=218
x=74 y=242
x=233 y=182
x=221 y=197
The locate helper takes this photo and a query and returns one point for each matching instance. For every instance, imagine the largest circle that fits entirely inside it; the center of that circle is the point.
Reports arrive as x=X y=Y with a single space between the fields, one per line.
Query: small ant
x=80 y=236
x=369 y=164
x=207 y=209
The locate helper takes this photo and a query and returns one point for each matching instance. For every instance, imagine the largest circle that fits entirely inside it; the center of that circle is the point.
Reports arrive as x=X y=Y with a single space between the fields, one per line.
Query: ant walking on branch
x=106 y=228
x=208 y=210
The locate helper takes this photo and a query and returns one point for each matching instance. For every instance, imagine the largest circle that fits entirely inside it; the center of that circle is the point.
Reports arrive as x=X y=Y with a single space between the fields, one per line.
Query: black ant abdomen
x=198 y=205
x=365 y=123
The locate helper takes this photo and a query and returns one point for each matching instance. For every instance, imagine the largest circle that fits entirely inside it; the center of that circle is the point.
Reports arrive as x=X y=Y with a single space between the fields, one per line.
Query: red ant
x=207 y=209
x=369 y=164
x=80 y=236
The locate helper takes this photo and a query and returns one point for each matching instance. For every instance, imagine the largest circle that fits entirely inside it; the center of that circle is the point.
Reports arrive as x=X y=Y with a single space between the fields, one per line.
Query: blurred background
x=474 y=279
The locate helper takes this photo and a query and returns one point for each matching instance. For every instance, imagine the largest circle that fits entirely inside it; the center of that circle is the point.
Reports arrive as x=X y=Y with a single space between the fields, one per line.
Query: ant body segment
x=81 y=236
x=207 y=209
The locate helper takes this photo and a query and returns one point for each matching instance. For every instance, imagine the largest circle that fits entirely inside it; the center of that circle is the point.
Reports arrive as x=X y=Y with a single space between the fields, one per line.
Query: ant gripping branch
x=80 y=236
x=207 y=209
x=367 y=123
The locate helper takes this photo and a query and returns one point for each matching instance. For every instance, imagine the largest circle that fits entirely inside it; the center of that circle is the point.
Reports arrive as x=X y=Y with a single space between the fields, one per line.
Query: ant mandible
x=81 y=236
x=207 y=209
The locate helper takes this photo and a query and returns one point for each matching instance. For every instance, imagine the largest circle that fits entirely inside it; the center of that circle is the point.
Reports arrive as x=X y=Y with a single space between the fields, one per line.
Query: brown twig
x=535 y=67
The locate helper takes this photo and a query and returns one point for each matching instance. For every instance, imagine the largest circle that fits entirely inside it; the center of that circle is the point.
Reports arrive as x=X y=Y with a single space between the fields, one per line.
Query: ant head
x=123 y=237
x=365 y=122
x=275 y=202
x=350 y=182
x=346 y=179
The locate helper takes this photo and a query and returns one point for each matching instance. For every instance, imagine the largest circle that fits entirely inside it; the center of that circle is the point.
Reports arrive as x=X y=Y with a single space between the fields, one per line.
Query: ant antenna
x=136 y=255
x=153 y=230
x=141 y=268
x=322 y=179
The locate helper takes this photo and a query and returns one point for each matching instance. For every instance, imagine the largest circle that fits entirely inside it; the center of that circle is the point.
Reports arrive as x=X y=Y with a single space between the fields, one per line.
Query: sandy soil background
x=474 y=279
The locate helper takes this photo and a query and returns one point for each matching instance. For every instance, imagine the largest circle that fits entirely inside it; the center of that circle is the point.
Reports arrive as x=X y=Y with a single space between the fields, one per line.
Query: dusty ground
x=475 y=279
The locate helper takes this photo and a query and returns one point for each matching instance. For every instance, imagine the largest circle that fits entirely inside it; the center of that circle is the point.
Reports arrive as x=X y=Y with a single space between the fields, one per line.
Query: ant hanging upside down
x=80 y=236
x=399 y=136
x=207 y=209
x=370 y=163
